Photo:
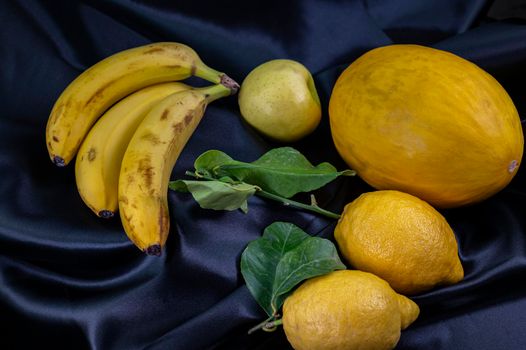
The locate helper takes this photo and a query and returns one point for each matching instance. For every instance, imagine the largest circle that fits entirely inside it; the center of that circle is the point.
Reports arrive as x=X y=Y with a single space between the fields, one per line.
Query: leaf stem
x=289 y=202
x=311 y=207
x=260 y=325
x=272 y=325
x=269 y=325
x=195 y=174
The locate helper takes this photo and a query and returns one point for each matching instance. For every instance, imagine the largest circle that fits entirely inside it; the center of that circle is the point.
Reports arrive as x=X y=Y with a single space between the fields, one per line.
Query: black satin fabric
x=69 y=280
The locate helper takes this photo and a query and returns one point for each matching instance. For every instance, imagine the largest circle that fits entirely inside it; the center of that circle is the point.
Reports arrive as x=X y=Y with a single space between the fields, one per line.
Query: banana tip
x=229 y=83
x=154 y=249
x=59 y=161
x=106 y=214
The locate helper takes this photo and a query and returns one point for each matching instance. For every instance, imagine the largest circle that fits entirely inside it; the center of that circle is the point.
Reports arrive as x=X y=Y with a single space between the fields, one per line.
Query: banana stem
x=230 y=83
x=207 y=73
x=215 y=92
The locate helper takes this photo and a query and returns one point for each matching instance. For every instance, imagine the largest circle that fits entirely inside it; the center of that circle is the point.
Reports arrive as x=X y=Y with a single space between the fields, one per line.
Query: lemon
x=346 y=310
x=279 y=99
x=401 y=239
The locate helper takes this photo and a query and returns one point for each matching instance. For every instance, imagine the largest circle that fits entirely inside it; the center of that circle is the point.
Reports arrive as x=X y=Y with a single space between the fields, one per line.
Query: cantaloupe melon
x=426 y=122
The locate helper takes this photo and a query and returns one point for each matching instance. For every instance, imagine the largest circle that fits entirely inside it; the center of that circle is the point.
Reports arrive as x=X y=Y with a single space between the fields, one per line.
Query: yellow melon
x=426 y=122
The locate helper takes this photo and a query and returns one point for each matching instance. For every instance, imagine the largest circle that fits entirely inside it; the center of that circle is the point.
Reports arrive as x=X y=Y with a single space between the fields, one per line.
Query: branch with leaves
x=285 y=255
x=222 y=183
x=282 y=258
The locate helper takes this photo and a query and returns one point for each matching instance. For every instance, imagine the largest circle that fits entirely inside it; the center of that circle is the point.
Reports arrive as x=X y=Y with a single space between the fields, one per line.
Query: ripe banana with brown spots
x=98 y=161
x=149 y=160
x=96 y=89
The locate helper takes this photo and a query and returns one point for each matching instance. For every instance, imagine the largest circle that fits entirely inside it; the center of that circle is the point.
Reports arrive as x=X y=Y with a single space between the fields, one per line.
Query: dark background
x=69 y=280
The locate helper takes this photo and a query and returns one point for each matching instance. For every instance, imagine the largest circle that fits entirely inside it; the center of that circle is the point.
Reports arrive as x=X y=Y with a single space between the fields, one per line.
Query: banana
x=149 y=160
x=98 y=161
x=96 y=89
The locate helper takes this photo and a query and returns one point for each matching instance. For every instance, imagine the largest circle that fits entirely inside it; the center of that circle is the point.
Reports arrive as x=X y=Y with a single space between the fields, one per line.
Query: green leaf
x=281 y=171
x=283 y=257
x=216 y=194
x=207 y=162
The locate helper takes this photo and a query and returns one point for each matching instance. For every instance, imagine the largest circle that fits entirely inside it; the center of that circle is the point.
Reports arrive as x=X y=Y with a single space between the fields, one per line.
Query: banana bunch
x=127 y=119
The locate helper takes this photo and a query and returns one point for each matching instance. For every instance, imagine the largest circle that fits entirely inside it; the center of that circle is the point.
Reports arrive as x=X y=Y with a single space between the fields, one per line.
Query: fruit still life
x=426 y=129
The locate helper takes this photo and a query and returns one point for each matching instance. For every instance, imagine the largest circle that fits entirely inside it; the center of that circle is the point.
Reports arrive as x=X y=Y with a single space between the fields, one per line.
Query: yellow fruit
x=401 y=239
x=346 y=310
x=426 y=122
x=279 y=99
x=149 y=161
x=87 y=97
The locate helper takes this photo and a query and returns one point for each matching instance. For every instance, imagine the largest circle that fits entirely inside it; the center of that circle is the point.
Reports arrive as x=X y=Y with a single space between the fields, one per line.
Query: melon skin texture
x=426 y=122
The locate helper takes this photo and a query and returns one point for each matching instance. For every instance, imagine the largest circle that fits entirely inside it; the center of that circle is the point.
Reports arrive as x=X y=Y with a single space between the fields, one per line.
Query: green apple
x=279 y=99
